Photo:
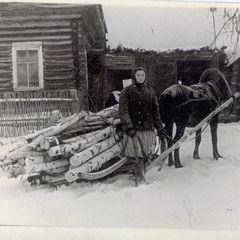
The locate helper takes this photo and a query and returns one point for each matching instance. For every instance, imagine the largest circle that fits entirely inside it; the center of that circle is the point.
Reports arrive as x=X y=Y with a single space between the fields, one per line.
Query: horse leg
x=197 y=143
x=213 y=126
x=169 y=130
x=179 y=134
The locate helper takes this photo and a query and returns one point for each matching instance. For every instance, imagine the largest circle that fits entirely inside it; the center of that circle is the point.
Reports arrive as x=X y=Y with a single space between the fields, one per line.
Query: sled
x=159 y=161
x=88 y=155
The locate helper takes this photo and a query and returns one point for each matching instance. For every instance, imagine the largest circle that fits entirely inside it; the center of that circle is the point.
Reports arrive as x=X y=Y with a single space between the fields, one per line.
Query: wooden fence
x=24 y=112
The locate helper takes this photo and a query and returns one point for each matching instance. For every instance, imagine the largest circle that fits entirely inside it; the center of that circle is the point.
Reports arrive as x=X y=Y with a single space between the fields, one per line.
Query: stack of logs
x=82 y=143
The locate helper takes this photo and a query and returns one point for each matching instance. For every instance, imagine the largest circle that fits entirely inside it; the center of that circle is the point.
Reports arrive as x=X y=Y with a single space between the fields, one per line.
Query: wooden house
x=44 y=55
x=45 y=46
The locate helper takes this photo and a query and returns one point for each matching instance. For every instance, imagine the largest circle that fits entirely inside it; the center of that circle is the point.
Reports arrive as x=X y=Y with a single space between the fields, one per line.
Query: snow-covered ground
x=202 y=195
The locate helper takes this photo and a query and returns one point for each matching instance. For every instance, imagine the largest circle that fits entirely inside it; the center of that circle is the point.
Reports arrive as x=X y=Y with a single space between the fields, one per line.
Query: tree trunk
x=38 y=167
x=66 y=149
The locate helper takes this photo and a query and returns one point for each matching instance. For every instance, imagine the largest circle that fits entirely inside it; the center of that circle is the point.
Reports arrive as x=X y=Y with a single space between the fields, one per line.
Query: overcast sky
x=158 y=27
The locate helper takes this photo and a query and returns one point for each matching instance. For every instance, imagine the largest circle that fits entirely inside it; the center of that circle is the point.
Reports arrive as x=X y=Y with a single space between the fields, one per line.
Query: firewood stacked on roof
x=82 y=143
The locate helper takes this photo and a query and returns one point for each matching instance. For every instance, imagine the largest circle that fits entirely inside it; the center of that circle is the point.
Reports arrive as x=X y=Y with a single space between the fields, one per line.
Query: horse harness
x=203 y=90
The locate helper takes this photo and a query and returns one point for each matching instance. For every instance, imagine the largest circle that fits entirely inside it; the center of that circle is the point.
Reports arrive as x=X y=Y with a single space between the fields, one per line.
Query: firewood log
x=58 y=180
x=85 y=155
x=101 y=118
x=103 y=173
x=84 y=129
x=39 y=167
x=58 y=129
x=81 y=137
x=56 y=171
x=108 y=111
x=87 y=122
x=77 y=125
x=34 y=160
x=45 y=130
x=107 y=121
x=48 y=142
x=94 y=164
x=78 y=146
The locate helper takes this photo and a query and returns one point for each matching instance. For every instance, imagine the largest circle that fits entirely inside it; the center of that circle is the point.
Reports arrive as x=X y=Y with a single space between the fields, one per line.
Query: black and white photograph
x=120 y=115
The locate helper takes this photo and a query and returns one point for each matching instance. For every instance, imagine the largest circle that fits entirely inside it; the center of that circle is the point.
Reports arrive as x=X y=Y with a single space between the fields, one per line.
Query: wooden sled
x=119 y=164
x=160 y=160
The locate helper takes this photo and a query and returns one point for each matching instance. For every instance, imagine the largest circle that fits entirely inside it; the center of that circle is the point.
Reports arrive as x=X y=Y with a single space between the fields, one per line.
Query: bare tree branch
x=230 y=21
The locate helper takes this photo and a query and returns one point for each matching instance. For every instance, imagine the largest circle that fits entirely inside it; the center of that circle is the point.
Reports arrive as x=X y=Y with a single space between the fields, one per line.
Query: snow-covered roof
x=182 y=48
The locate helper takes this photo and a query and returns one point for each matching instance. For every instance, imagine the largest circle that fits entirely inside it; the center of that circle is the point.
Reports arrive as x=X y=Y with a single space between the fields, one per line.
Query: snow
x=204 y=195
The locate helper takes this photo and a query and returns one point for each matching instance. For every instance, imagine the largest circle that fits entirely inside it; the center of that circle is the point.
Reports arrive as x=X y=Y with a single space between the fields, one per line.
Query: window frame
x=27 y=46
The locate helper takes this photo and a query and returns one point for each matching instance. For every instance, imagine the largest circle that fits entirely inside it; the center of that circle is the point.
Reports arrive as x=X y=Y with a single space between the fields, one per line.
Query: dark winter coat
x=138 y=108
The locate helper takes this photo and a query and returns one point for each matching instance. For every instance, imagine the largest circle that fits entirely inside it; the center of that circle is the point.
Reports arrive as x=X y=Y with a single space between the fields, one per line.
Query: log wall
x=56 y=37
x=67 y=32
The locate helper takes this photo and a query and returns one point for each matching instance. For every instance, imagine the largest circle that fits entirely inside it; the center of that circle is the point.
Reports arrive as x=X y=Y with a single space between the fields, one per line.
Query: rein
x=217 y=91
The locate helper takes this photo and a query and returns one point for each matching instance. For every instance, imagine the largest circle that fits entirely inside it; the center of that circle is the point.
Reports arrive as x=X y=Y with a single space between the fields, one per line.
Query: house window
x=27 y=65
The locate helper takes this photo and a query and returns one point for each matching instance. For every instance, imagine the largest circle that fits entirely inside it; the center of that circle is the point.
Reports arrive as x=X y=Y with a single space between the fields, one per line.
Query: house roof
x=36 y=8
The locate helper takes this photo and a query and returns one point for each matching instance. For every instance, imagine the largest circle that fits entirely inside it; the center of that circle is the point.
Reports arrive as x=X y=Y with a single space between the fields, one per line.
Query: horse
x=186 y=106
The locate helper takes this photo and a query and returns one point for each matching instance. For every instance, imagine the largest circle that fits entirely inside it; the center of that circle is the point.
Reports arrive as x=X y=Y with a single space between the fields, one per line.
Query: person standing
x=139 y=115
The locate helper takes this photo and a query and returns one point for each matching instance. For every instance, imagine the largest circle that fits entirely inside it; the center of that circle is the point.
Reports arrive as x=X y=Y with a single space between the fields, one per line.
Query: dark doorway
x=115 y=78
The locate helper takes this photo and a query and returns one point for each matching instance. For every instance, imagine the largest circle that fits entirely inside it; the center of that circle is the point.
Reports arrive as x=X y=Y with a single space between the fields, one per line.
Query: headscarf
x=134 y=73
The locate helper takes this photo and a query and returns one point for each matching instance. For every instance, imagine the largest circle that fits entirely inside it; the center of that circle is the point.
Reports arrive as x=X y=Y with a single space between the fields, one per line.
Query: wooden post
x=80 y=64
x=75 y=104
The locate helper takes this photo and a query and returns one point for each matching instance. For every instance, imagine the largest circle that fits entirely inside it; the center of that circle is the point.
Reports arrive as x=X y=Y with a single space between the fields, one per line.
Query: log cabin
x=46 y=46
x=46 y=56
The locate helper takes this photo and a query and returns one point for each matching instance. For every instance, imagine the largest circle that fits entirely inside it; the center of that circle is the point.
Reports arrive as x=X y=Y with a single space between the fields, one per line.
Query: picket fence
x=27 y=111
